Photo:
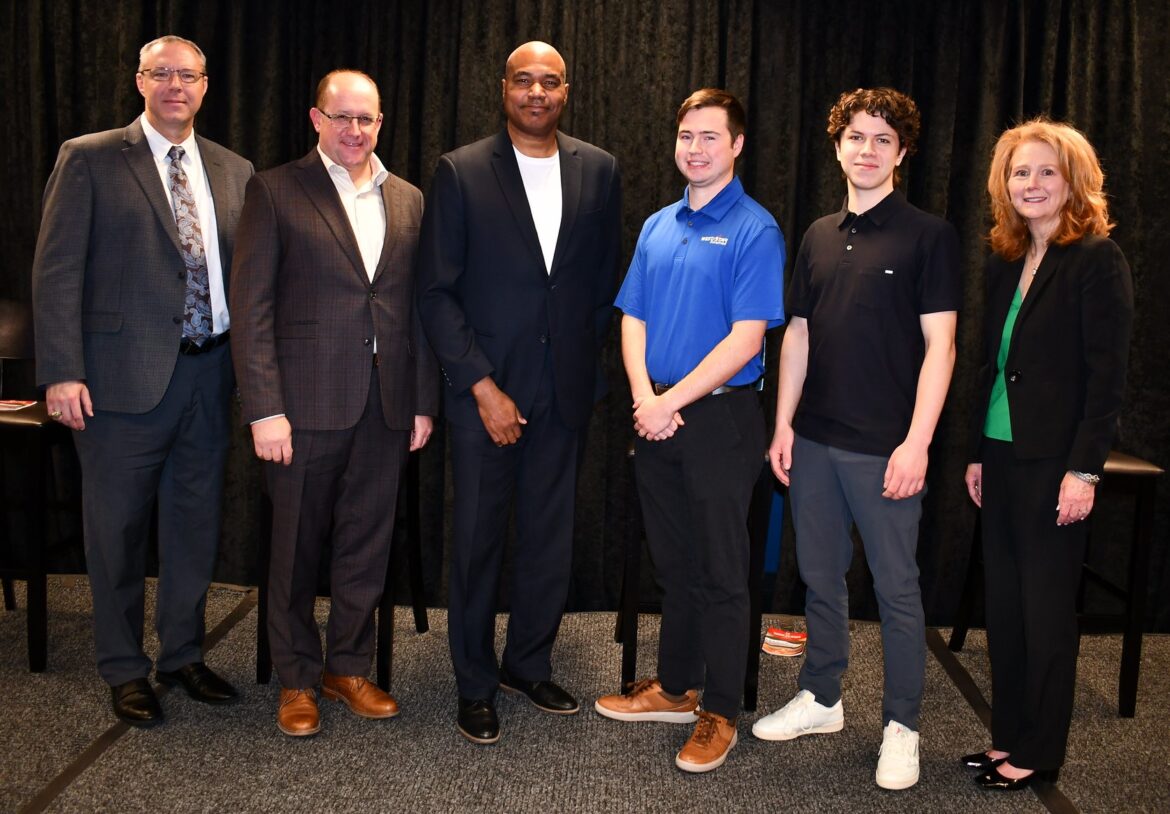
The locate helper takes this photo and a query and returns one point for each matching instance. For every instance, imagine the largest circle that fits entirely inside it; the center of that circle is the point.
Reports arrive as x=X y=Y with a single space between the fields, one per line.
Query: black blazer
x=486 y=301
x=1066 y=363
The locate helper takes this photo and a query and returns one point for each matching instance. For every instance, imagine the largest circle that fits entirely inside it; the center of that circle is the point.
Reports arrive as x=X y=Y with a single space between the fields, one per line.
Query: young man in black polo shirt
x=864 y=370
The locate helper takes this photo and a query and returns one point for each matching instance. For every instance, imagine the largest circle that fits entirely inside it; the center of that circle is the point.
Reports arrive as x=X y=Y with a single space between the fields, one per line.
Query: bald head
x=535 y=52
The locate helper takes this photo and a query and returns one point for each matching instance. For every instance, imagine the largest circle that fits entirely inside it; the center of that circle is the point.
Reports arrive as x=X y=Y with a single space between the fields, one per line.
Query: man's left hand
x=424 y=425
x=906 y=472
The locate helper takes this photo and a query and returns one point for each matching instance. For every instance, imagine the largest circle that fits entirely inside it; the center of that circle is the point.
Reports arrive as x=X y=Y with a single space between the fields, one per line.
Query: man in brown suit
x=338 y=385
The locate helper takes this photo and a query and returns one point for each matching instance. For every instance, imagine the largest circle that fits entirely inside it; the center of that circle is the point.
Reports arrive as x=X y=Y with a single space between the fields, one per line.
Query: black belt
x=757 y=385
x=189 y=348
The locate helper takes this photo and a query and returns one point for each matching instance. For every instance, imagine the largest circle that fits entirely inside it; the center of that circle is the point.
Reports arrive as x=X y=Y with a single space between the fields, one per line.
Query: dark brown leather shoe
x=298 y=716
x=362 y=696
x=136 y=704
x=200 y=683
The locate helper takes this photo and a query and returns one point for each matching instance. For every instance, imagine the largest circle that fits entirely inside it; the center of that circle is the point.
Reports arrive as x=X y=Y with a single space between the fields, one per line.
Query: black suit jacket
x=1066 y=362
x=486 y=301
x=305 y=313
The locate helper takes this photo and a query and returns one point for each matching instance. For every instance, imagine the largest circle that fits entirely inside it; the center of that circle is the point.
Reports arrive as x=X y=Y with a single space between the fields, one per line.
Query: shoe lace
x=705 y=728
x=642 y=687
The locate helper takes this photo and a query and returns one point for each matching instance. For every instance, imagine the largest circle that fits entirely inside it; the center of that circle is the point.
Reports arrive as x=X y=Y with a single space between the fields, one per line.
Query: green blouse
x=998 y=424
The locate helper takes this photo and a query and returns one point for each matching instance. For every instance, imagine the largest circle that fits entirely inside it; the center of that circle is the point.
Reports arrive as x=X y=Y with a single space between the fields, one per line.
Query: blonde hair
x=1085 y=211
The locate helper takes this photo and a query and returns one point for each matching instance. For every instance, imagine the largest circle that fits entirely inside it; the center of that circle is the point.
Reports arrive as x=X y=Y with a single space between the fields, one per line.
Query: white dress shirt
x=192 y=163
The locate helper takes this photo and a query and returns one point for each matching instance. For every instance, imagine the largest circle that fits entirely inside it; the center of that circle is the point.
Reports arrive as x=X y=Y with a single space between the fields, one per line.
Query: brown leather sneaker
x=712 y=739
x=645 y=702
x=297 y=716
x=363 y=697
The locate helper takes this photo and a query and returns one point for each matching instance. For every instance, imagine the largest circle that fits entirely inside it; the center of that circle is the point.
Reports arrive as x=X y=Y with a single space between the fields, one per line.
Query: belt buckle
x=660 y=388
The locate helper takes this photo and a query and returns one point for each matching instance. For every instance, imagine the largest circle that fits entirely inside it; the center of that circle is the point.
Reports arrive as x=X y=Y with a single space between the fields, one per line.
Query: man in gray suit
x=131 y=319
x=338 y=385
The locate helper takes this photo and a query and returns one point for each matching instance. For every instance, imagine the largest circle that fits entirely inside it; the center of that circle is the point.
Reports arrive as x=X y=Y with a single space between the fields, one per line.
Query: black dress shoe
x=136 y=704
x=200 y=683
x=544 y=694
x=981 y=761
x=993 y=780
x=477 y=720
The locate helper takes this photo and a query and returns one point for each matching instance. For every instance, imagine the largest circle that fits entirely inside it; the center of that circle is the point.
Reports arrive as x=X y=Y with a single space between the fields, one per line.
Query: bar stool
x=626 y=631
x=1124 y=474
x=27 y=436
x=408 y=500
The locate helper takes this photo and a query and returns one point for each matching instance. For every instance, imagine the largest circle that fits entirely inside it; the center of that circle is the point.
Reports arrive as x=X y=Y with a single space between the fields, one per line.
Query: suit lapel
x=138 y=156
x=570 y=196
x=323 y=194
x=217 y=181
x=1044 y=275
x=512 y=185
x=395 y=214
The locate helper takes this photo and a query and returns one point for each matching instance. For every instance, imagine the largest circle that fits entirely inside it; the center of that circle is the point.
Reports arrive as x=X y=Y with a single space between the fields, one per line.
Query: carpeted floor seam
x=92 y=753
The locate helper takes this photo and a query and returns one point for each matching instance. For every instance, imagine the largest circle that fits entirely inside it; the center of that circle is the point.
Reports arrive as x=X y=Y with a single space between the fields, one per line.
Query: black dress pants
x=1032 y=572
x=695 y=489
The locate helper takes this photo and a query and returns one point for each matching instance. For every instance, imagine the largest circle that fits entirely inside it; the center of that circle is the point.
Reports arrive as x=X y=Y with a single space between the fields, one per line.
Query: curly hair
x=898 y=110
x=715 y=97
x=1085 y=211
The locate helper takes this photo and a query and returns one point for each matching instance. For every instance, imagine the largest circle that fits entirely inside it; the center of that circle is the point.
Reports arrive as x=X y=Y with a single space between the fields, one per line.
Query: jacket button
x=373 y=294
x=543 y=339
x=365 y=341
x=1015 y=376
x=182 y=275
x=176 y=320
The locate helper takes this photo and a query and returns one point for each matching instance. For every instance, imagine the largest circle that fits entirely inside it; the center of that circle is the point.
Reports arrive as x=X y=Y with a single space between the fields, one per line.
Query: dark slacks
x=695 y=489
x=831 y=490
x=347 y=481
x=540 y=471
x=1033 y=569
x=175 y=453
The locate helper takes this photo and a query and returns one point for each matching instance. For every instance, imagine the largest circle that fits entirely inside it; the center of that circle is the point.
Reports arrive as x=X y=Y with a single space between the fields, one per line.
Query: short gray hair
x=167 y=40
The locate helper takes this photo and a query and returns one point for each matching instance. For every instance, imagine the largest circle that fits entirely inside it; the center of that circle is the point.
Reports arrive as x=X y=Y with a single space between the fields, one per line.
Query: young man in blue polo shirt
x=705 y=283
x=864 y=370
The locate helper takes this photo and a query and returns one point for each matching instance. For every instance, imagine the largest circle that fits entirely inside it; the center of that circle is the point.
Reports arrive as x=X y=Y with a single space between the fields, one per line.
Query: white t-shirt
x=542 y=185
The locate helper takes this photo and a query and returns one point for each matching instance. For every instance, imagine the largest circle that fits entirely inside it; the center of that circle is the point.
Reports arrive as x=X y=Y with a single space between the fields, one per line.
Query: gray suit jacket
x=305 y=314
x=109 y=283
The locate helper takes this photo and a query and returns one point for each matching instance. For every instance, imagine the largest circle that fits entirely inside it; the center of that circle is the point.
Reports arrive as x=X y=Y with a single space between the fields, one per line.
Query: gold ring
x=56 y=414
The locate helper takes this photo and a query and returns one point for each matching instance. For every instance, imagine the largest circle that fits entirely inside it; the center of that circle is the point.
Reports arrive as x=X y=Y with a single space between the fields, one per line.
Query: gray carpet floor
x=234 y=758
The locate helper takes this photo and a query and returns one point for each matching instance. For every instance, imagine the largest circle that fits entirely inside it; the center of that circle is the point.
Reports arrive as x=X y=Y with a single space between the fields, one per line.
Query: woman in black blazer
x=1058 y=313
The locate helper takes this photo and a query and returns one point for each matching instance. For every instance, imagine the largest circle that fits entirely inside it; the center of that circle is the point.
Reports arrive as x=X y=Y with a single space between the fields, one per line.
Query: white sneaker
x=897 y=766
x=800 y=716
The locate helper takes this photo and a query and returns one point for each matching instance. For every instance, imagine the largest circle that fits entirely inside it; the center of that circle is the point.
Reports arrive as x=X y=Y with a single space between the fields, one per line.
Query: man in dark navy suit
x=517 y=260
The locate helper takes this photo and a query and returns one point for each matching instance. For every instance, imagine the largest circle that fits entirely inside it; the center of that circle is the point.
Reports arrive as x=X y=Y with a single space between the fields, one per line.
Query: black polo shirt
x=862 y=281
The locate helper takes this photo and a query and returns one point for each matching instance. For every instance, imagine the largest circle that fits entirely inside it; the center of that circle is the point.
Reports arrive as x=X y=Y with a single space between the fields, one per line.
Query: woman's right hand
x=974 y=480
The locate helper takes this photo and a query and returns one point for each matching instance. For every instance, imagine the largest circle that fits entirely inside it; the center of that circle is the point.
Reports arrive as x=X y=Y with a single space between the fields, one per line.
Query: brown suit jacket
x=305 y=314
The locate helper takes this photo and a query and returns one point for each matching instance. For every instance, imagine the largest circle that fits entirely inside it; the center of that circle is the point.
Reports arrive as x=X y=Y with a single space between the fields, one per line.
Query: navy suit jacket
x=1066 y=362
x=487 y=303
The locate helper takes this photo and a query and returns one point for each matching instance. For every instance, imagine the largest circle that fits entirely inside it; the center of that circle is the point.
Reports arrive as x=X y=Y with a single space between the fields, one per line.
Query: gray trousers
x=831 y=490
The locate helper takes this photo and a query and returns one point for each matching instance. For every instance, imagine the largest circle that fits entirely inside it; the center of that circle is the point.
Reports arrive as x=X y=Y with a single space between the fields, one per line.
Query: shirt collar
x=338 y=172
x=887 y=208
x=160 y=145
x=718 y=206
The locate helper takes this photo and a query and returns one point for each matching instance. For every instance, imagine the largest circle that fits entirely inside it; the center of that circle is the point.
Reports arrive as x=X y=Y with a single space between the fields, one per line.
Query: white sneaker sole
x=661 y=717
x=764 y=734
x=898 y=784
x=699 y=768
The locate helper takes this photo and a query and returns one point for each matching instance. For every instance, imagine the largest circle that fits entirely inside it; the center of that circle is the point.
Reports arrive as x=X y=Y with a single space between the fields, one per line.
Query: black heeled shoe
x=994 y=781
x=981 y=761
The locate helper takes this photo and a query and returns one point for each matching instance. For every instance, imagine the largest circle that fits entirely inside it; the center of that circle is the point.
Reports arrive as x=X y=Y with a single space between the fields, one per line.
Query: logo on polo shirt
x=714 y=240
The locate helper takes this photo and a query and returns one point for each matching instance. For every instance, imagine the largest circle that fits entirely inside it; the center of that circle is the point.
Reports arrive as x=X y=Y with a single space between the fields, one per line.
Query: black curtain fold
x=974 y=68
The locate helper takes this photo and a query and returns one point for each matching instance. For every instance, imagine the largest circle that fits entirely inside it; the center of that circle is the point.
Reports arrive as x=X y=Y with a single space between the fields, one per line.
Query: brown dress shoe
x=297 y=716
x=712 y=739
x=363 y=697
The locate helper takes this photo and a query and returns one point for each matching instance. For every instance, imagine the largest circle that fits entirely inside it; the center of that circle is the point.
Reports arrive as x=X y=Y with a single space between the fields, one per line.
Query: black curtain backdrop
x=974 y=67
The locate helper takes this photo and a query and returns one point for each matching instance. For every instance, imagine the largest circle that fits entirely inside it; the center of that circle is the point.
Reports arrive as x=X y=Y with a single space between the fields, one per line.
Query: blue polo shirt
x=694 y=273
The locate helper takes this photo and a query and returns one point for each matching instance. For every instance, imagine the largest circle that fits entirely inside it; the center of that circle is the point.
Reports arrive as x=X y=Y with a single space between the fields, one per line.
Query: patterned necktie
x=197 y=321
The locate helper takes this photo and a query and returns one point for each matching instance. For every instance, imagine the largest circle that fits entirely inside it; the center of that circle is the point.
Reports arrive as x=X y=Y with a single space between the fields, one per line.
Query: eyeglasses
x=341 y=121
x=186 y=75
